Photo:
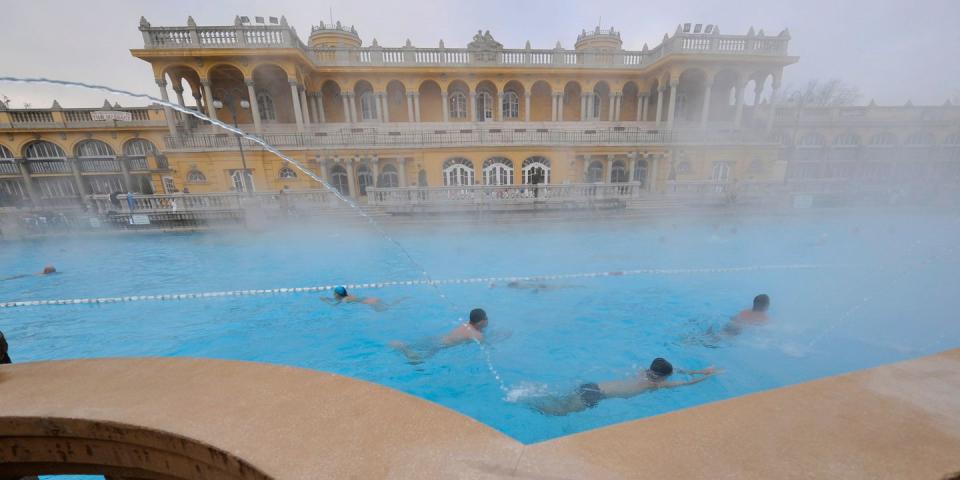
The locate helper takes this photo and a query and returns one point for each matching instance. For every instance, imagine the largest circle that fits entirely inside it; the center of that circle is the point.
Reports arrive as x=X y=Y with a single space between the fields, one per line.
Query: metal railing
x=281 y=36
x=110 y=165
x=48 y=166
x=492 y=194
x=180 y=202
x=465 y=134
x=9 y=168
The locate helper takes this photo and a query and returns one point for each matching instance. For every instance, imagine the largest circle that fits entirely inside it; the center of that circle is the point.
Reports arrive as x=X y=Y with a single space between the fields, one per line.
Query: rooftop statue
x=484 y=41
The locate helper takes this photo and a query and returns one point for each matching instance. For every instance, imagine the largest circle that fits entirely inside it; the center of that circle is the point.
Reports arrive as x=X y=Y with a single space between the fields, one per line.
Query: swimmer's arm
x=688 y=382
x=330 y=301
x=706 y=371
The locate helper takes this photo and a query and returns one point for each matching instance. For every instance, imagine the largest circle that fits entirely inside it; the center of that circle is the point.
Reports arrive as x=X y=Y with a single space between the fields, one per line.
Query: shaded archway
x=723 y=96
x=270 y=81
x=628 y=102
x=541 y=102
x=397 y=101
x=690 y=95
x=512 y=106
x=226 y=81
x=650 y=113
x=571 y=102
x=332 y=102
x=599 y=107
x=431 y=108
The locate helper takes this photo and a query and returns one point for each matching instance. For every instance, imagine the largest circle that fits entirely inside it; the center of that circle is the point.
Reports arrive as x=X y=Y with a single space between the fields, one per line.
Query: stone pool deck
x=180 y=418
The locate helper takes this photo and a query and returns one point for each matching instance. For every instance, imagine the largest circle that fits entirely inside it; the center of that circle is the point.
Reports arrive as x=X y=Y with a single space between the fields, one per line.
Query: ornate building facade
x=699 y=108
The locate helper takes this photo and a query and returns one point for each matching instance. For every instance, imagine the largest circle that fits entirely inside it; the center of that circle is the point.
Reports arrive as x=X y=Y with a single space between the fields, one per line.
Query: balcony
x=99 y=165
x=282 y=36
x=9 y=168
x=439 y=135
x=48 y=166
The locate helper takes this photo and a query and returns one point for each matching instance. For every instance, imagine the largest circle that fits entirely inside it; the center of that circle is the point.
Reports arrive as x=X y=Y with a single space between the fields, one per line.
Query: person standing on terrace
x=589 y=395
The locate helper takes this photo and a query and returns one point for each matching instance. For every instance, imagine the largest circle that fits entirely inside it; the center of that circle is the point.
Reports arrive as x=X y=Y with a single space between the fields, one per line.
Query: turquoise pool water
x=885 y=289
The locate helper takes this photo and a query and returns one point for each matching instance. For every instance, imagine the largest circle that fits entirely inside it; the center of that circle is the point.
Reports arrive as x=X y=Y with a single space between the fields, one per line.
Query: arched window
x=368 y=108
x=883 y=139
x=920 y=139
x=389 y=178
x=268 y=113
x=952 y=140
x=484 y=106
x=196 y=176
x=595 y=172
x=847 y=140
x=364 y=178
x=497 y=171
x=138 y=147
x=94 y=149
x=811 y=140
x=458 y=105
x=457 y=172
x=339 y=179
x=5 y=153
x=618 y=172
x=511 y=105
x=536 y=170
x=640 y=172
x=287 y=173
x=44 y=150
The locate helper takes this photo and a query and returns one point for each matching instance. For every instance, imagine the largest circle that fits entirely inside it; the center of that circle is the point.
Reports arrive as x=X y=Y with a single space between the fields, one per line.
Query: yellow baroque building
x=695 y=113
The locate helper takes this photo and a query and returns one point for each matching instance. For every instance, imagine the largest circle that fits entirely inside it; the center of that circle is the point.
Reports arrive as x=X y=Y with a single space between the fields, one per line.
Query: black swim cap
x=477 y=315
x=761 y=302
x=661 y=367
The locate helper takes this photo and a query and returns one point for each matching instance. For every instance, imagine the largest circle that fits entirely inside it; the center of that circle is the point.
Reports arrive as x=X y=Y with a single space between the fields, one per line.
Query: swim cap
x=661 y=367
x=340 y=290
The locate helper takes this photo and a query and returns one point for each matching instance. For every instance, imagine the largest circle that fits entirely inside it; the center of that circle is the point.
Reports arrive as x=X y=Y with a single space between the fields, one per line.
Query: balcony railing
x=280 y=36
x=80 y=118
x=301 y=199
x=48 y=166
x=110 y=165
x=137 y=163
x=464 y=134
x=479 y=195
x=9 y=168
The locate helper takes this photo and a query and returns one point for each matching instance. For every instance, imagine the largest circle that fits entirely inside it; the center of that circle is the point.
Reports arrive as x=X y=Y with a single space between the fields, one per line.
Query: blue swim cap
x=340 y=290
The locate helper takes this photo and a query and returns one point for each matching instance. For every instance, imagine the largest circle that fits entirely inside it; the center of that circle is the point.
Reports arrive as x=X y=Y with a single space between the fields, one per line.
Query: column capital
x=205 y=82
x=611 y=157
x=178 y=89
x=293 y=82
x=674 y=82
x=661 y=88
x=248 y=82
x=162 y=83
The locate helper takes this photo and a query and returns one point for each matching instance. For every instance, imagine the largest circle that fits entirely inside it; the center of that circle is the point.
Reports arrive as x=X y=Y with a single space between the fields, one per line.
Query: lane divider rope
x=396 y=283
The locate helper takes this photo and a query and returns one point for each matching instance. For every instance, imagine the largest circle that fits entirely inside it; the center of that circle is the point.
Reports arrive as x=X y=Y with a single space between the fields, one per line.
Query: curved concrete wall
x=179 y=418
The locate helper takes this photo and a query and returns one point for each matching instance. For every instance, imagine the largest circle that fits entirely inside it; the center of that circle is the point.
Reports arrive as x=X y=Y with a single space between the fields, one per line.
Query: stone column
x=611 y=109
x=318 y=107
x=773 y=104
x=385 y=97
x=641 y=108
x=553 y=107
x=472 y=107
x=410 y=107
x=303 y=105
x=351 y=178
x=674 y=83
x=198 y=101
x=77 y=178
x=178 y=89
x=416 y=106
x=346 y=108
x=352 y=98
x=654 y=162
x=660 y=89
x=375 y=170
x=631 y=165
x=586 y=167
x=27 y=181
x=208 y=99
x=609 y=168
x=167 y=111
x=125 y=171
x=297 y=113
x=377 y=107
x=618 y=105
x=254 y=107
x=583 y=106
x=705 y=111
x=560 y=107
x=444 y=97
x=402 y=171
x=500 y=106
x=526 y=107
x=738 y=116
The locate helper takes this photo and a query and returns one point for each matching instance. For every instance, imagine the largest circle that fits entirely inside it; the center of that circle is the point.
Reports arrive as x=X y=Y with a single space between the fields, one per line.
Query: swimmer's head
x=761 y=303
x=340 y=291
x=513 y=284
x=49 y=269
x=660 y=368
x=478 y=318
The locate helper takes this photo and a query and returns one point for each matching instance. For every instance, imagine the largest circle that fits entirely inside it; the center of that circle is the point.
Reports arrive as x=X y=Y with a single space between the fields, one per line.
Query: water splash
x=299 y=166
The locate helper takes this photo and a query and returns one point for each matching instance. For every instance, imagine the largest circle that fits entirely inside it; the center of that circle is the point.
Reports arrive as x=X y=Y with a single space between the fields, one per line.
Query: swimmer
x=590 y=394
x=47 y=270
x=340 y=295
x=754 y=317
x=536 y=287
x=471 y=331
x=4 y=357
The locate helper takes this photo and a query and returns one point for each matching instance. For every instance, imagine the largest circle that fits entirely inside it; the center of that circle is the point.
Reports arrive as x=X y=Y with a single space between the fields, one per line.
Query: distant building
x=684 y=114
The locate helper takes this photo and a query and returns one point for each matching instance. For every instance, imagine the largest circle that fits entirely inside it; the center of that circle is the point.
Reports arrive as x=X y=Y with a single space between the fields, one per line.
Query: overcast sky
x=892 y=50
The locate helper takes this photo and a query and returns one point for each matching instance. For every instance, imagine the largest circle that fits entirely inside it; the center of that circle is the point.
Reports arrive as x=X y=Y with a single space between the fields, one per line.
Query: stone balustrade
x=490 y=194
x=282 y=36
x=77 y=118
x=317 y=198
x=426 y=135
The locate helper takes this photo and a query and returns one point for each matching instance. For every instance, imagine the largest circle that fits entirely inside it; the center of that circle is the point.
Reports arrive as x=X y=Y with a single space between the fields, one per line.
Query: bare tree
x=817 y=93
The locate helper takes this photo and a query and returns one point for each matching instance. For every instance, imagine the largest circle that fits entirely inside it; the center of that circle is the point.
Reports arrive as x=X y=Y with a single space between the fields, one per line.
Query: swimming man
x=471 y=331
x=47 y=270
x=589 y=395
x=747 y=318
x=340 y=295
